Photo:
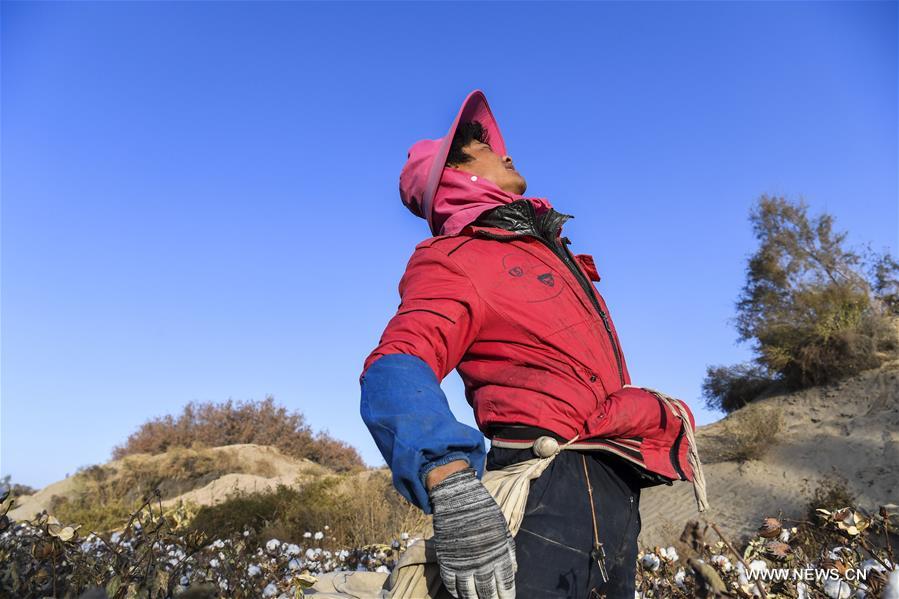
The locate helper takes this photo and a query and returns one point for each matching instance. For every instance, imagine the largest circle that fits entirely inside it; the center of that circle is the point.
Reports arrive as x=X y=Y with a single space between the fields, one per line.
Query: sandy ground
x=849 y=431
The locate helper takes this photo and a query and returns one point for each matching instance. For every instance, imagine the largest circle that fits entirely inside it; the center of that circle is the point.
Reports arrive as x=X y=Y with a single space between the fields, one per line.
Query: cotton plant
x=233 y=567
x=840 y=540
x=244 y=565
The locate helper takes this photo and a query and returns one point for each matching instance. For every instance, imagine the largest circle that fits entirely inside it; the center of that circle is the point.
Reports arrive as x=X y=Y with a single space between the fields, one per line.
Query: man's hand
x=475 y=550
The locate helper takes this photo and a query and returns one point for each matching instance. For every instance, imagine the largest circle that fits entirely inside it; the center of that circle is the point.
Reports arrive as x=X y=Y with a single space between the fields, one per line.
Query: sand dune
x=277 y=468
x=849 y=431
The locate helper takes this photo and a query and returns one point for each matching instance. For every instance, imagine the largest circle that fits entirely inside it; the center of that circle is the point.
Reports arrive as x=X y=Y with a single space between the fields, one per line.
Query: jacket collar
x=521 y=218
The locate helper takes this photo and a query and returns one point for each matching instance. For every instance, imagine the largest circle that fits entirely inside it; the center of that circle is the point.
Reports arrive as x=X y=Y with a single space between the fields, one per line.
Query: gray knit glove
x=475 y=550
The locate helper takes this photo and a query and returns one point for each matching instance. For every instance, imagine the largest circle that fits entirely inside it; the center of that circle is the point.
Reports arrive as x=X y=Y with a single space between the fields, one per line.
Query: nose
x=508 y=161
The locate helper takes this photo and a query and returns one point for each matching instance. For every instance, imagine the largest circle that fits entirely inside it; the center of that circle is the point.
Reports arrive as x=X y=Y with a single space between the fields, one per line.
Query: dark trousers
x=553 y=546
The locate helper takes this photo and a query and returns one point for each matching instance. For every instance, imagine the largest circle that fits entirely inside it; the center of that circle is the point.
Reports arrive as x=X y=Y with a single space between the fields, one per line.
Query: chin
x=514 y=184
x=520 y=186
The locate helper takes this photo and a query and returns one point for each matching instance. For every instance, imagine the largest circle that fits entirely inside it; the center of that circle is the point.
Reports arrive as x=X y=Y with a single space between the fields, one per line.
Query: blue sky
x=199 y=200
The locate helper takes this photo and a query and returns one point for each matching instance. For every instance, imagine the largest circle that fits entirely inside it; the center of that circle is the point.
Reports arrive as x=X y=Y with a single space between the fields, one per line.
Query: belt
x=544 y=441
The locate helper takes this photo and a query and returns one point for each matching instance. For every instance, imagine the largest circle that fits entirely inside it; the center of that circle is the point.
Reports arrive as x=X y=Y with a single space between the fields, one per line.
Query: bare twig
x=886 y=533
x=872 y=554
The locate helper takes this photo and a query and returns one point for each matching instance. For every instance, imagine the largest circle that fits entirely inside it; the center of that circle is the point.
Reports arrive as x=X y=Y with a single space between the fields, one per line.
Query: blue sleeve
x=407 y=413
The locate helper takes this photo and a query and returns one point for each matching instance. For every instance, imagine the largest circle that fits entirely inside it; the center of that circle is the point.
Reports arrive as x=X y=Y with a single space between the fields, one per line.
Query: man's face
x=498 y=169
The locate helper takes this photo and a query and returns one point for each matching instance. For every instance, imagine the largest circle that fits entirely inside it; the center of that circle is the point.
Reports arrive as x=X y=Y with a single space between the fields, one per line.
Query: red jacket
x=532 y=339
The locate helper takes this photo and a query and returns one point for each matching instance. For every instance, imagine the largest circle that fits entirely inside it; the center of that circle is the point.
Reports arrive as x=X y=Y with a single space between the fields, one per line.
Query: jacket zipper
x=587 y=287
x=564 y=256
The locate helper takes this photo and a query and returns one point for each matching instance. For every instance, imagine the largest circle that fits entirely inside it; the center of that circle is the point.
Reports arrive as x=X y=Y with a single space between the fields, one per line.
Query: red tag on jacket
x=586 y=262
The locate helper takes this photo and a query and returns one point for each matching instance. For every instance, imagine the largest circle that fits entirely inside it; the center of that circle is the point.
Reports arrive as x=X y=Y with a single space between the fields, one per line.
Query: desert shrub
x=829 y=357
x=729 y=388
x=230 y=423
x=811 y=310
x=374 y=510
x=884 y=273
x=93 y=516
x=751 y=433
x=15 y=489
x=243 y=511
x=356 y=510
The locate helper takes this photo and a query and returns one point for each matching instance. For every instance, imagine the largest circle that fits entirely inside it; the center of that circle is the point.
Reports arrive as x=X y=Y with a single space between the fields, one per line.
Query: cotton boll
x=742 y=579
x=758 y=565
x=651 y=562
x=837 y=589
x=722 y=562
x=270 y=590
x=891 y=591
x=669 y=554
x=872 y=564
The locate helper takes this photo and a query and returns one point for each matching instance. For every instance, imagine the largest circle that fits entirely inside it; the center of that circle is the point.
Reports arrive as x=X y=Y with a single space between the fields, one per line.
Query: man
x=497 y=294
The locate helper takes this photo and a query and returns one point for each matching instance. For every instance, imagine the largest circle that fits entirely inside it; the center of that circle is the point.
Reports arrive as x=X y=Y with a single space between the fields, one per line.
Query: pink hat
x=422 y=172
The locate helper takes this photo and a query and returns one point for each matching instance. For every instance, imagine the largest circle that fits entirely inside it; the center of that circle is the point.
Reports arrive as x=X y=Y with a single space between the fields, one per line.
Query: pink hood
x=446 y=197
